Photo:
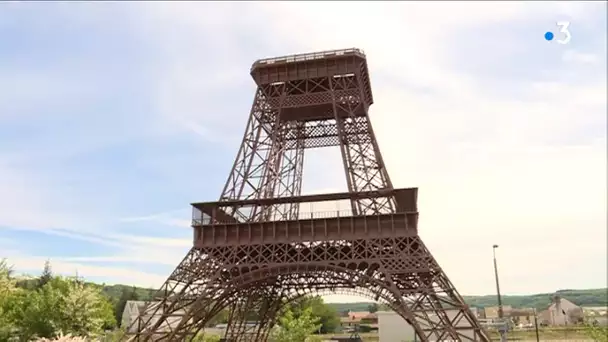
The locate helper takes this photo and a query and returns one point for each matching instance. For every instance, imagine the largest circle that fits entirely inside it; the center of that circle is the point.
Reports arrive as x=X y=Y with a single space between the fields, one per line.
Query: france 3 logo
x=564 y=33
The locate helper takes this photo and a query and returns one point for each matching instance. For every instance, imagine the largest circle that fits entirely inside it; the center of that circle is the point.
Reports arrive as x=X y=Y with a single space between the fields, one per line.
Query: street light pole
x=536 y=325
x=503 y=335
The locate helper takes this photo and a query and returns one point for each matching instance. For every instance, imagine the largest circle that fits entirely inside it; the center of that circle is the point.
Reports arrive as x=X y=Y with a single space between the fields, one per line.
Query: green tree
x=596 y=332
x=8 y=296
x=206 y=338
x=372 y=308
x=116 y=335
x=7 y=283
x=295 y=329
x=38 y=314
x=327 y=315
x=85 y=311
x=64 y=305
x=46 y=276
x=221 y=317
x=127 y=295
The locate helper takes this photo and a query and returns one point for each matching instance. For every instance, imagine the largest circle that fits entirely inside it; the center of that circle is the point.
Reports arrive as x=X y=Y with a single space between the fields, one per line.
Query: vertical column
x=363 y=164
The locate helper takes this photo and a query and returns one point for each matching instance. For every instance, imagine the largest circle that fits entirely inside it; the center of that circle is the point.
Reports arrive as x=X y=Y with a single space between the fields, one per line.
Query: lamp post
x=536 y=325
x=503 y=335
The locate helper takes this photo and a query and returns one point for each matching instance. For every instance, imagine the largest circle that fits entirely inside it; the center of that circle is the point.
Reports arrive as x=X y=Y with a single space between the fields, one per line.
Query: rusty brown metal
x=257 y=248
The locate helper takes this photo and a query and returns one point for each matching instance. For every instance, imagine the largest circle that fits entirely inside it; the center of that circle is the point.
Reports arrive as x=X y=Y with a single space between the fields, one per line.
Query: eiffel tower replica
x=255 y=251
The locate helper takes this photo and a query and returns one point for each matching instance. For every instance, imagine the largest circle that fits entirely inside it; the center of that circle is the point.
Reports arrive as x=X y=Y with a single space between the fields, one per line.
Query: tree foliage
x=61 y=305
x=46 y=276
x=8 y=293
x=292 y=328
x=596 y=332
x=206 y=338
x=119 y=307
x=221 y=317
x=327 y=315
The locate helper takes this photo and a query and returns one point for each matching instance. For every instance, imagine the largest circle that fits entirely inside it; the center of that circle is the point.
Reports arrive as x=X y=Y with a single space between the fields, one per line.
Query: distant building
x=491 y=312
x=357 y=315
x=393 y=328
x=595 y=310
x=354 y=318
x=596 y=314
x=371 y=318
x=560 y=312
x=130 y=312
x=134 y=308
x=522 y=316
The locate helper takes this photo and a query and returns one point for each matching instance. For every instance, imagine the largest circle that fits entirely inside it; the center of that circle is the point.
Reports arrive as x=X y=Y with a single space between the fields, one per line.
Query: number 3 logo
x=563 y=28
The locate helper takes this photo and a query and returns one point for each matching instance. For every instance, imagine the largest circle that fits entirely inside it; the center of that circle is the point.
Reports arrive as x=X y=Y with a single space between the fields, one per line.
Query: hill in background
x=592 y=297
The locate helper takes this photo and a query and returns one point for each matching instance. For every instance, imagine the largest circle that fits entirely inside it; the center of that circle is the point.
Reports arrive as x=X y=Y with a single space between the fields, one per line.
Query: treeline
x=591 y=297
x=49 y=306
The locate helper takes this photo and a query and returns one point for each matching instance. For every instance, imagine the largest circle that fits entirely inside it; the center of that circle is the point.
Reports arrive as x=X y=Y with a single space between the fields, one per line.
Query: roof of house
x=357 y=315
x=136 y=306
x=563 y=303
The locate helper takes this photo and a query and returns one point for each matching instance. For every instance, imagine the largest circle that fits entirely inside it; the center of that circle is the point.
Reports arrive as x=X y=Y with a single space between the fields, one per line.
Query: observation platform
x=303 y=57
x=214 y=227
x=316 y=66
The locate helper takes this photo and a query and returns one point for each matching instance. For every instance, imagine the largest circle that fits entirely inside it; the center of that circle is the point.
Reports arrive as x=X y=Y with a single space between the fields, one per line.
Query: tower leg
x=259 y=306
x=437 y=307
x=268 y=164
x=191 y=296
x=363 y=164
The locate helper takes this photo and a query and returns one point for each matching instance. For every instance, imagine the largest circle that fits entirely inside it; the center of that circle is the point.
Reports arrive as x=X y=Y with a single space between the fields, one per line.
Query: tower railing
x=298 y=208
x=308 y=56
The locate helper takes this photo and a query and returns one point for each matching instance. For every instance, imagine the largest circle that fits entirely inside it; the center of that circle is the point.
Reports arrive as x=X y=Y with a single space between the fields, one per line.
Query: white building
x=393 y=328
x=134 y=308
x=559 y=312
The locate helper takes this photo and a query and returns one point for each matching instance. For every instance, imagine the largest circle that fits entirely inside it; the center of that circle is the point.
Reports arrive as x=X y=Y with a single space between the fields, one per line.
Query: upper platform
x=214 y=226
x=334 y=63
x=303 y=57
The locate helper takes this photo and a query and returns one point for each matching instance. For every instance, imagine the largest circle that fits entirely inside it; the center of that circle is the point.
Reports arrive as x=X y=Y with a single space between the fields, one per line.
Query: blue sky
x=115 y=116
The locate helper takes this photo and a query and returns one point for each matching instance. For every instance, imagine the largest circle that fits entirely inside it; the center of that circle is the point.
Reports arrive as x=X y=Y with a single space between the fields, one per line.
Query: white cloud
x=580 y=57
x=30 y=203
x=114 y=275
x=170 y=218
x=26 y=201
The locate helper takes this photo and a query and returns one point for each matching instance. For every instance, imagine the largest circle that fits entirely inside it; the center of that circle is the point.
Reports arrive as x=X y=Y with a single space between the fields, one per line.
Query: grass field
x=554 y=334
x=543 y=334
